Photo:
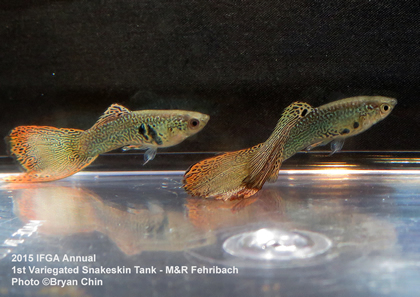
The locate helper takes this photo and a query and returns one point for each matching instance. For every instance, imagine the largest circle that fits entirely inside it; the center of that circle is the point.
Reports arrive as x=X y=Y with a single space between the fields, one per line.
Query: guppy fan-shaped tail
x=46 y=153
x=241 y=174
x=221 y=176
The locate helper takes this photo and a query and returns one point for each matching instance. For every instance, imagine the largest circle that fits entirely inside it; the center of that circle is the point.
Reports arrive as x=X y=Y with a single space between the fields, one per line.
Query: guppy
x=48 y=153
x=241 y=174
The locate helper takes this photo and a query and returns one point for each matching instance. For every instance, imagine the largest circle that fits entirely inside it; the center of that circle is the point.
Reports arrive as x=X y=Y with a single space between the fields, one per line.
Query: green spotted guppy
x=48 y=153
x=241 y=174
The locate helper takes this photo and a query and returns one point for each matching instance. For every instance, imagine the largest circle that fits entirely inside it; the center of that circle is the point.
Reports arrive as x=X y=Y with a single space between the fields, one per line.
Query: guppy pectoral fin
x=149 y=154
x=336 y=145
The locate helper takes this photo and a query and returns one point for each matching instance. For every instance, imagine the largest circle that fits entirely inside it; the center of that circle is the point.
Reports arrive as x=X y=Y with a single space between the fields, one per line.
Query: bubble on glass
x=276 y=244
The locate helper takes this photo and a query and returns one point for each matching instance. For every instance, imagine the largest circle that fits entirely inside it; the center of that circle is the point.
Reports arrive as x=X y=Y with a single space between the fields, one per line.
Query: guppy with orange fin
x=241 y=174
x=48 y=153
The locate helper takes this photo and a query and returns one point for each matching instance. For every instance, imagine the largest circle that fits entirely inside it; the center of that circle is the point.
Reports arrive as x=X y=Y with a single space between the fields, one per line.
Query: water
x=335 y=232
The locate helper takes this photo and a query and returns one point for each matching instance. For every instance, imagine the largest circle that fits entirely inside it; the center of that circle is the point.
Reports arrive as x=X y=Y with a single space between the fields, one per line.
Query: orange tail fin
x=221 y=176
x=243 y=173
x=46 y=153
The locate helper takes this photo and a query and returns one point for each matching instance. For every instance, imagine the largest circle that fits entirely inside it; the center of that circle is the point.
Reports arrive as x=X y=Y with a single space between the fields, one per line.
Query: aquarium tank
x=202 y=148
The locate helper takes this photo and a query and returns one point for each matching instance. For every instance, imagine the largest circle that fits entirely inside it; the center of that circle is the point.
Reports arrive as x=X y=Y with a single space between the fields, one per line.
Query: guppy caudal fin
x=221 y=176
x=46 y=153
x=241 y=174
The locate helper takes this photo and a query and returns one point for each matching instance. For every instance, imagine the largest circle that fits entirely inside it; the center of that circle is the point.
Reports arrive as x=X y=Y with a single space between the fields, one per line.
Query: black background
x=64 y=62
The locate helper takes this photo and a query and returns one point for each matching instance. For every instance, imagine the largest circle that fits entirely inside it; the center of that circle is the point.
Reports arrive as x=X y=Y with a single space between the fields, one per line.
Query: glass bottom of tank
x=315 y=232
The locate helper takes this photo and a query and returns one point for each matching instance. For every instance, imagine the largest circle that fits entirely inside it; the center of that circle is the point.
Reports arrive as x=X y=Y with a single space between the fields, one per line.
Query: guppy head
x=187 y=123
x=164 y=128
x=375 y=109
x=354 y=115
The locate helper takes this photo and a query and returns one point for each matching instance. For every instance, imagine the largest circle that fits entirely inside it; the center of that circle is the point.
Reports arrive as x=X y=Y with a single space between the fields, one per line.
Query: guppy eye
x=193 y=123
x=384 y=107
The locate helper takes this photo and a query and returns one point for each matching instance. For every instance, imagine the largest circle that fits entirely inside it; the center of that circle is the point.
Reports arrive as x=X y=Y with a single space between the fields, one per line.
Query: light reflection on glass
x=67 y=210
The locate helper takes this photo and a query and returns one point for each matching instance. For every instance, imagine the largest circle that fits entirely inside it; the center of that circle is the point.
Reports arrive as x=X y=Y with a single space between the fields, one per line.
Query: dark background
x=64 y=62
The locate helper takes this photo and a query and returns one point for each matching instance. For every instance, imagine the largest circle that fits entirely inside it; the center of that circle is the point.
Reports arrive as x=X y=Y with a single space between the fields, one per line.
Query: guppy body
x=242 y=173
x=49 y=153
x=143 y=129
x=337 y=121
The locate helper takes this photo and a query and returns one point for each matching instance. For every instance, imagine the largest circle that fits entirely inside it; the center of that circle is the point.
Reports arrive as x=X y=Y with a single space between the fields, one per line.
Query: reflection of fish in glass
x=291 y=208
x=207 y=214
x=241 y=174
x=66 y=211
x=48 y=153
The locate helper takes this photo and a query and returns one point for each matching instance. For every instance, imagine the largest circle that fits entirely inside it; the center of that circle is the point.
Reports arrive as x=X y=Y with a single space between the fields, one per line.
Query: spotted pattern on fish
x=49 y=153
x=328 y=121
x=266 y=163
x=242 y=173
x=225 y=176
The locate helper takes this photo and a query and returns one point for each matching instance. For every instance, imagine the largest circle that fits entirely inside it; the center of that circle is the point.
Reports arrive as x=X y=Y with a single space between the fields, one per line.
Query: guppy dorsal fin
x=113 y=112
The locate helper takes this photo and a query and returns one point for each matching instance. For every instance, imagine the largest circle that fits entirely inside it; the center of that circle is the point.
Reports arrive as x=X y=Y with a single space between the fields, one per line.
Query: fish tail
x=46 y=153
x=265 y=164
x=241 y=174
x=221 y=176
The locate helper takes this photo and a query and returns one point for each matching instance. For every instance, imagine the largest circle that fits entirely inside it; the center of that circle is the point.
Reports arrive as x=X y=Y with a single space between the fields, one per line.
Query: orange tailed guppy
x=241 y=174
x=49 y=153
